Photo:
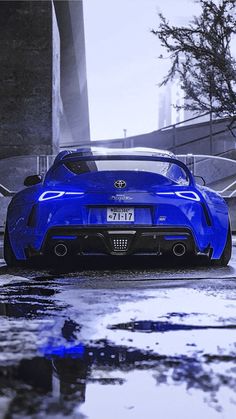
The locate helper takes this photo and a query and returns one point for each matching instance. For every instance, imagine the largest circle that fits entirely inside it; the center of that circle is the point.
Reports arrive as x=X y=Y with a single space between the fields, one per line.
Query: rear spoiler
x=90 y=157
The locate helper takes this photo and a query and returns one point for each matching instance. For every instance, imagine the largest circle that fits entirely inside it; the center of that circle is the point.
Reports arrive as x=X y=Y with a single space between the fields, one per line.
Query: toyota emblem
x=120 y=184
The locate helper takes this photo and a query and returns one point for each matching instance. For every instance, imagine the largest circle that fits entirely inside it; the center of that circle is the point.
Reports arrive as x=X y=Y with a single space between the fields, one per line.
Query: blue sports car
x=98 y=201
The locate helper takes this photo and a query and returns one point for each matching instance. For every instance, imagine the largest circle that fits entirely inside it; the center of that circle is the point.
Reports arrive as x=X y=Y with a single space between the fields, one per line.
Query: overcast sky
x=123 y=70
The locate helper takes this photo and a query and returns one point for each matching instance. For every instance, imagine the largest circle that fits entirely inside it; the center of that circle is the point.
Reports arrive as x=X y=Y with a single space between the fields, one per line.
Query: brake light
x=45 y=196
x=193 y=196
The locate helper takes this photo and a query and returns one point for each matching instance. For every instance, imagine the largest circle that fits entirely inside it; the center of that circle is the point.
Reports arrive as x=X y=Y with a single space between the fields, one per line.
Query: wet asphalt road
x=102 y=341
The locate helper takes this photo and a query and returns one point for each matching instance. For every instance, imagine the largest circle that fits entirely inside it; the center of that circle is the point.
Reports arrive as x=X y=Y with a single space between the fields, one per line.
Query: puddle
x=149 y=326
x=58 y=358
x=27 y=302
x=72 y=380
x=14 y=290
x=66 y=378
x=22 y=310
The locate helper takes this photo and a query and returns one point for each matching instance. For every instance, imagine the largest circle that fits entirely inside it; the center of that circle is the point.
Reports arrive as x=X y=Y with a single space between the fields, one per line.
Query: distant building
x=172 y=96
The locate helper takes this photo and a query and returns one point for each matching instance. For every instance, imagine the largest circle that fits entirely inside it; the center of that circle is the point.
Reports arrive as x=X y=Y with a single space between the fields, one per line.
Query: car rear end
x=120 y=205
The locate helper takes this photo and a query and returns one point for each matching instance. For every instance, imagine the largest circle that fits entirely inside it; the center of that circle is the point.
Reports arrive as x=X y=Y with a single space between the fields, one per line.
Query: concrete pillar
x=29 y=78
x=74 y=126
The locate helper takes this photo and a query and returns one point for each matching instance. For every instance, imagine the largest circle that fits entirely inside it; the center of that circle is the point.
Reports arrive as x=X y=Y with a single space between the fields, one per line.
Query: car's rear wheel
x=226 y=255
x=8 y=253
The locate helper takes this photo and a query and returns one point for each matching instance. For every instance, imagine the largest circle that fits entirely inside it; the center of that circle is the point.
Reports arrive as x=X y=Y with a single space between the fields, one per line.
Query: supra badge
x=120 y=184
x=121 y=197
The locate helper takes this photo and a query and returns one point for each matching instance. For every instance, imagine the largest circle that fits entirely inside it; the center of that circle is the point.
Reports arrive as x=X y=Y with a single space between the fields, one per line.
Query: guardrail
x=223 y=191
x=218 y=172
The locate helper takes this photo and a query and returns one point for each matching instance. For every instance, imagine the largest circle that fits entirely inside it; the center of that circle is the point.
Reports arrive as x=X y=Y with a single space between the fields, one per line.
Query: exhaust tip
x=179 y=249
x=60 y=250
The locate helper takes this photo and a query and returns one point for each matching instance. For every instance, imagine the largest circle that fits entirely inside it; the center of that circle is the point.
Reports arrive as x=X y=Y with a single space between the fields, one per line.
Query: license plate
x=120 y=214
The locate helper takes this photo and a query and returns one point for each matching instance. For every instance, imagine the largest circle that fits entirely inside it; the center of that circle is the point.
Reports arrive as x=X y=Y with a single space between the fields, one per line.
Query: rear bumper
x=118 y=241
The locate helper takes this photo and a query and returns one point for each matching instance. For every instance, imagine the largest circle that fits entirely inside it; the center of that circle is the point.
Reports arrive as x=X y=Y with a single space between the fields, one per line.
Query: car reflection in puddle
x=101 y=380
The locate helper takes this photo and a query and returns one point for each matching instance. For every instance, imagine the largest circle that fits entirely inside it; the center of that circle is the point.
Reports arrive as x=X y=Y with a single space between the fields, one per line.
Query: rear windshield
x=170 y=170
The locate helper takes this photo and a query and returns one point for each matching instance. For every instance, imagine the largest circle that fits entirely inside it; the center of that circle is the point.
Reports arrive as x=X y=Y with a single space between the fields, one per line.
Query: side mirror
x=200 y=180
x=32 y=180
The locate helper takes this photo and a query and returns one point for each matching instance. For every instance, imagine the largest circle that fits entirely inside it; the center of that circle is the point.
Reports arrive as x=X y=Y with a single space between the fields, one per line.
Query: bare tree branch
x=201 y=57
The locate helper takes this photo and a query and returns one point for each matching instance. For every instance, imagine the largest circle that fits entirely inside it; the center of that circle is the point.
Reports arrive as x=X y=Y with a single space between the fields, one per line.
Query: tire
x=226 y=255
x=8 y=253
